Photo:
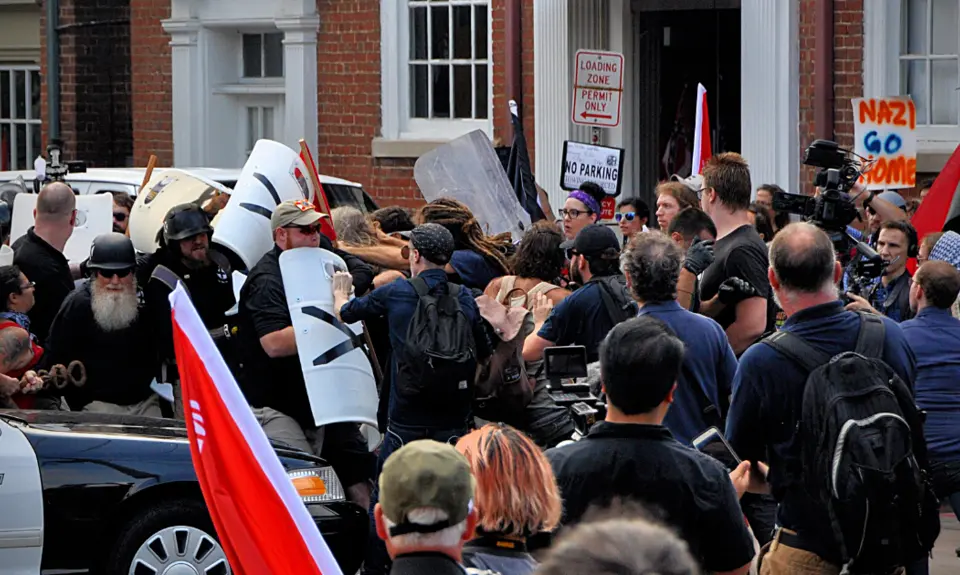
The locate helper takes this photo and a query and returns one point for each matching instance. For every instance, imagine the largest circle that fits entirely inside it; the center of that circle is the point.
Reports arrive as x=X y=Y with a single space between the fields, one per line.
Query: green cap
x=425 y=473
x=294 y=213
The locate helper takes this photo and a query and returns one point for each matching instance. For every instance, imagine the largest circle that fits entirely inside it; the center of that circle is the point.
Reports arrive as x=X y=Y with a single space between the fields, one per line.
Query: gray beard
x=114 y=310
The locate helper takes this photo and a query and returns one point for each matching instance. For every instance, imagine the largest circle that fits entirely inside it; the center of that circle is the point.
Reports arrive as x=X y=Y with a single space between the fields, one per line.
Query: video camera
x=563 y=365
x=833 y=210
x=53 y=168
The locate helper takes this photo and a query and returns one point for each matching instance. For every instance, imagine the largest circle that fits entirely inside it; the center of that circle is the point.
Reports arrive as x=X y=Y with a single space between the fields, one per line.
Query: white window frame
x=398 y=124
x=260 y=101
x=882 y=32
x=36 y=123
x=262 y=78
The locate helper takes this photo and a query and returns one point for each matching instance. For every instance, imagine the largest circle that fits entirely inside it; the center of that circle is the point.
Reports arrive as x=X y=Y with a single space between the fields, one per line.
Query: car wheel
x=173 y=538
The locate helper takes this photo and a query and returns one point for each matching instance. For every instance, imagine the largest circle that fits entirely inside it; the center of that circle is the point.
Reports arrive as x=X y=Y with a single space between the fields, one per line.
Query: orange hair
x=517 y=494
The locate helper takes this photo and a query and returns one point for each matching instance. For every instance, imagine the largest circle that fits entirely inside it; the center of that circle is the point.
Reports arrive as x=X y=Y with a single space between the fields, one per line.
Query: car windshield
x=339 y=195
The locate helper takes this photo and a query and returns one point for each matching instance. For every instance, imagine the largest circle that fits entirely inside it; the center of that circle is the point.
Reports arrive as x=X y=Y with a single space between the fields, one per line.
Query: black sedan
x=97 y=493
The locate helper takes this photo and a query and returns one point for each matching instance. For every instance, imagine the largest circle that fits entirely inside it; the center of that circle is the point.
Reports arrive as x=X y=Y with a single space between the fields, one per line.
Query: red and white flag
x=261 y=522
x=701 y=133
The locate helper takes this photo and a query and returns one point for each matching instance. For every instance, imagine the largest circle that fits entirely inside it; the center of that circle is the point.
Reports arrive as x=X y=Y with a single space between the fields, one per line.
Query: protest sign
x=885 y=132
x=588 y=163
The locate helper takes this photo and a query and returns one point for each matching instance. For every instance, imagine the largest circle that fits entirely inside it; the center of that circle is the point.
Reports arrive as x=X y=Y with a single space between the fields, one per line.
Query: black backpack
x=863 y=452
x=438 y=360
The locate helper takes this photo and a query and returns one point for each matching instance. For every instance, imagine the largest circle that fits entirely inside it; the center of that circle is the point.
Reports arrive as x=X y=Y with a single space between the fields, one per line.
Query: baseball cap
x=593 y=240
x=294 y=213
x=425 y=473
x=694 y=182
x=894 y=198
x=434 y=242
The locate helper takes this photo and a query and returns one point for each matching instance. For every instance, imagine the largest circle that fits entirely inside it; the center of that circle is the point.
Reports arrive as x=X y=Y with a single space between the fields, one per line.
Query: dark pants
x=761 y=512
x=946 y=484
x=377 y=561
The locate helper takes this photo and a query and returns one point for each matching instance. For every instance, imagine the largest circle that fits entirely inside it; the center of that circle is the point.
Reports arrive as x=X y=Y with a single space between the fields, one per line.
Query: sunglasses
x=108 y=274
x=571 y=252
x=306 y=230
x=119 y=216
x=627 y=216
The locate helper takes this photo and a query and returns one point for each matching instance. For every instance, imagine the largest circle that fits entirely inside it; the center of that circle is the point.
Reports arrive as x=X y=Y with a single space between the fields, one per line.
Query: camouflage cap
x=425 y=473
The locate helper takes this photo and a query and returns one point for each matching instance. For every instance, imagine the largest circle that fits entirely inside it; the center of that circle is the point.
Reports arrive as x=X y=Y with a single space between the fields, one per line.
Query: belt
x=797 y=541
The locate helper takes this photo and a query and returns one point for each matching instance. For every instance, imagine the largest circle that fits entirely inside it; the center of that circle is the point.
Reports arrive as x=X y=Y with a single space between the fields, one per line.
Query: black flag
x=518 y=169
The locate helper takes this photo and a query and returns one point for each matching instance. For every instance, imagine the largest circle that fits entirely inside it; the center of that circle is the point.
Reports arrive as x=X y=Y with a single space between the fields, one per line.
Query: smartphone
x=711 y=442
x=565 y=362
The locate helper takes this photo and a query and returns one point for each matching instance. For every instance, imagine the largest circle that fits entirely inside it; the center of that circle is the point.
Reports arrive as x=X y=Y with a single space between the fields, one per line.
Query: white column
x=620 y=35
x=553 y=88
x=300 y=79
x=188 y=122
x=588 y=31
x=769 y=85
x=881 y=46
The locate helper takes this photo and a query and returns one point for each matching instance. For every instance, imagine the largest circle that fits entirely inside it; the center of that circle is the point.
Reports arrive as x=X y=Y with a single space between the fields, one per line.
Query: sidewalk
x=945 y=560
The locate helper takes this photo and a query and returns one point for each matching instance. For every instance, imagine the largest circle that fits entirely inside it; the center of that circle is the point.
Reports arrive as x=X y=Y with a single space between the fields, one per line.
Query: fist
x=342 y=283
x=8 y=385
x=30 y=382
x=734 y=290
x=699 y=256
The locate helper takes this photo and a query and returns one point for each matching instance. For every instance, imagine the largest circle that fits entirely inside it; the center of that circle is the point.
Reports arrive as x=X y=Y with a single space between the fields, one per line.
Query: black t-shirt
x=120 y=364
x=47 y=267
x=741 y=254
x=269 y=382
x=691 y=491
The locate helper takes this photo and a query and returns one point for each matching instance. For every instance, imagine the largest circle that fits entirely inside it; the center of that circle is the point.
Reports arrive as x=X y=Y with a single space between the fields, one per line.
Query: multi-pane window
x=259 y=125
x=263 y=55
x=449 y=59
x=929 y=48
x=19 y=117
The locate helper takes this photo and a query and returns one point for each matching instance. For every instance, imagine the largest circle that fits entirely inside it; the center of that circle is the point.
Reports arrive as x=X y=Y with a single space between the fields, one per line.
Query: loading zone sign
x=597 y=87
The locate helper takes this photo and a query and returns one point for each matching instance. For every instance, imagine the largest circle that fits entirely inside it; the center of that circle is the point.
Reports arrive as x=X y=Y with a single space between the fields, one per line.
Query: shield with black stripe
x=336 y=369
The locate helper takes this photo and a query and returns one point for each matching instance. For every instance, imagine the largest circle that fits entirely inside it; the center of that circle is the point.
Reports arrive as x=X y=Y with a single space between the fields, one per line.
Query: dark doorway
x=676 y=49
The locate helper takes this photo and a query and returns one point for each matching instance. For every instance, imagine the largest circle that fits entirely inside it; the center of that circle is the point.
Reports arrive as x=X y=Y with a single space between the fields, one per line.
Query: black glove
x=699 y=256
x=734 y=290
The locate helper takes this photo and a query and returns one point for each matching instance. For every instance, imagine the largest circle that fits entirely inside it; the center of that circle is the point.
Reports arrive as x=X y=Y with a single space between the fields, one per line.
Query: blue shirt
x=767 y=398
x=935 y=338
x=397 y=301
x=580 y=319
x=709 y=363
x=474 y=270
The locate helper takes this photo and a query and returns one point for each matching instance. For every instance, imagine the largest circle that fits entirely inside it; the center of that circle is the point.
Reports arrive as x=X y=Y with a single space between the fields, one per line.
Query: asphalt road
x=945 y=560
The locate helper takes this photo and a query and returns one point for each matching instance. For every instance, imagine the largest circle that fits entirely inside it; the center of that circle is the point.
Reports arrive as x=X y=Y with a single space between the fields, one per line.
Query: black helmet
x=185 y=221
x=112 y=251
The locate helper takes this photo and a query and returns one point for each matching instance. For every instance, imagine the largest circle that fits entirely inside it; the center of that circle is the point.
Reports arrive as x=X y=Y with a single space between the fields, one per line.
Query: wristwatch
x=866 y=202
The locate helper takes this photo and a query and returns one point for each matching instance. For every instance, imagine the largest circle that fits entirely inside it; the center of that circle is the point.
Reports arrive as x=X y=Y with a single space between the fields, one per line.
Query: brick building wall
x=95 y=81
x=847 y=69
x=349 y=96
x=152 y=83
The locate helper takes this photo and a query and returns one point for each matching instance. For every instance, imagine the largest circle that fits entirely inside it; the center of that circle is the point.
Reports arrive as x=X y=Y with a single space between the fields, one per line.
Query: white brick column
x=300 y=79
x=769 y=85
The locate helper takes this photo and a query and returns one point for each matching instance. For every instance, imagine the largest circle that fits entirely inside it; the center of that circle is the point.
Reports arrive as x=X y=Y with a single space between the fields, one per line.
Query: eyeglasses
x=572 y=214
x=305 y=230
x=571 y=252
x=628 y=216
x=108 y=274
x=28 y=285
x=119 y=216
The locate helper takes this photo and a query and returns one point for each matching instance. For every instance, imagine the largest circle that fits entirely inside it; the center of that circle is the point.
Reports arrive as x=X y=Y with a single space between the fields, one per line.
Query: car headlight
x=317 y=485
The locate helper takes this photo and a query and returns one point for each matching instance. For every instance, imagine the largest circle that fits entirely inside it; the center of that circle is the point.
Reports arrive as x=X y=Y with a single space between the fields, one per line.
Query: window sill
x=403 y=148
x=250 y=89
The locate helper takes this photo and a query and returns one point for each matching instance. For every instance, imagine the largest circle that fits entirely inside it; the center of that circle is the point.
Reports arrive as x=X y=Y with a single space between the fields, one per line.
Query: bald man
x=39 y=253
x=768 y=389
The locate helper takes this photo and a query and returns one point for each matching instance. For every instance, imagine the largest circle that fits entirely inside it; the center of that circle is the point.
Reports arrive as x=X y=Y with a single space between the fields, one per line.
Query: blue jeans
x=377 y=562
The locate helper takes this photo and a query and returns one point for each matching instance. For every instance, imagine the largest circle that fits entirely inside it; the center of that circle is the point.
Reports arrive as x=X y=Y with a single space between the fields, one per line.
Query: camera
x=53 y=168
x=833 y=210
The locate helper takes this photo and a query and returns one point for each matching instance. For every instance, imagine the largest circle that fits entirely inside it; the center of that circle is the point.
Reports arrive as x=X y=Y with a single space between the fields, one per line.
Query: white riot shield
x=340 y=381
x=6 y=256
x=94 y=217
x=165 y=190
x=468 y=169
x=273 y=174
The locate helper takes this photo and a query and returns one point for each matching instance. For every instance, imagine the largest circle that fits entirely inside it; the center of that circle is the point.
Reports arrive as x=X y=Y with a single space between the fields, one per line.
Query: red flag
x=934 y=211
x=262 y=524
x=319 y=196
x=701 y=133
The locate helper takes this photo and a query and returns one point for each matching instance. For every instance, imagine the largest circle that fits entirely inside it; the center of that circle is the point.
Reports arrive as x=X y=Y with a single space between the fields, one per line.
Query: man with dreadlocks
x=477 y=258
